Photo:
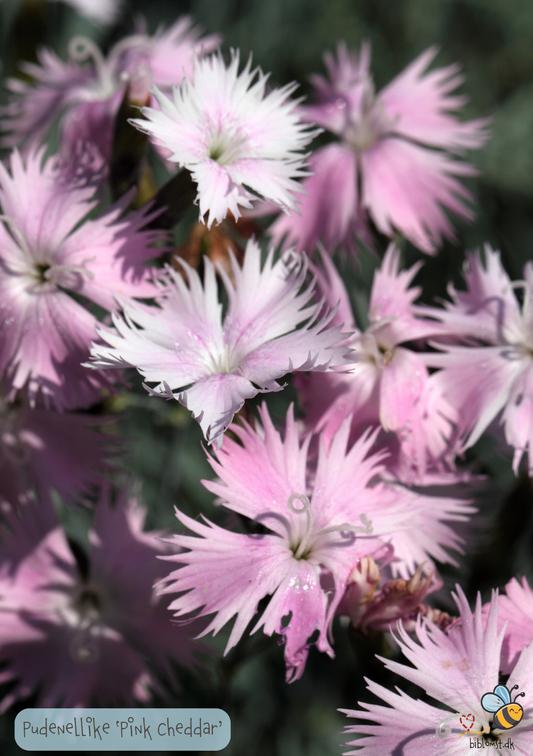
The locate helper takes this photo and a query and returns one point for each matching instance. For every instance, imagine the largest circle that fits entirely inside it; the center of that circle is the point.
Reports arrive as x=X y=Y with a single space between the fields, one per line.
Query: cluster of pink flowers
x=349 y=505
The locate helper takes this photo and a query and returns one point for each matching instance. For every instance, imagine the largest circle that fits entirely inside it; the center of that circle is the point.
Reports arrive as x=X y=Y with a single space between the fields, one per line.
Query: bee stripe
x=505 y=719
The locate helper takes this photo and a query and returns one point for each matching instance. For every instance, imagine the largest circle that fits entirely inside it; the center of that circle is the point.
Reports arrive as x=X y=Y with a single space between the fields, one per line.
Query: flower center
x=302 y=546
x=41 y=270
x=222 y=363
x=225 y=146
x=370 y=124
x=84 y=647
x=43 y=273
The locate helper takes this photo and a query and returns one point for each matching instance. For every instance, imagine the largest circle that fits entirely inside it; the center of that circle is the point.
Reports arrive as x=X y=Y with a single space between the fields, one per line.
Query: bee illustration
x=508 y=713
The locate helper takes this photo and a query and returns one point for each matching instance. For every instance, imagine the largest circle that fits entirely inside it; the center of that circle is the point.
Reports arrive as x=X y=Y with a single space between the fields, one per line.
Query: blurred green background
x=492 y=41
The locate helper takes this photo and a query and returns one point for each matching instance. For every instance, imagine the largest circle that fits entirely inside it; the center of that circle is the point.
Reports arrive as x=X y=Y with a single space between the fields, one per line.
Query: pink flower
x=75 y=633
x=400 y=146
x=87 y=97
x=455 y=668
x=516 y=619
x=320 y=523
x=48 y=254
x=490 y=375
x=230 y=135
x=218 y=362
x=390 y=384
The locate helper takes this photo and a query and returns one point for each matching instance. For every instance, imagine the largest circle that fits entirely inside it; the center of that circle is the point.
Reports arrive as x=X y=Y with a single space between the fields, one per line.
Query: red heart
x=469 y=720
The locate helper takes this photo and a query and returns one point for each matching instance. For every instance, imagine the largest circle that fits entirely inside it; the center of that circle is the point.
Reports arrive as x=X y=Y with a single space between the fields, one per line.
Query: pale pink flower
x=224 y=128
x=77 y=634
x=48 y=252
x=86 y=91
x=516 y=619
x=455 y=668
x=320 y=522
x=491 y=375
x=400 y=146
x=390 y=384
x=217 y=363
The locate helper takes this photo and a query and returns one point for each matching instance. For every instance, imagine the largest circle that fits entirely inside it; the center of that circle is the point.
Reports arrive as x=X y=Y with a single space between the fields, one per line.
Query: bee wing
x=503 y=692
x=492 y=701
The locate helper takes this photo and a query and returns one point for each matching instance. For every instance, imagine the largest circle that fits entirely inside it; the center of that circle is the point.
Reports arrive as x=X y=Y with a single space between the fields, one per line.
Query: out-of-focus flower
x=78 y=634
x=49 y=256
x=516 y=619
x=102 y=12
x=492 y=372
x=398 y=146
x=222 y=127
x=218 y=363
x=41 y=451
x=87 y=97
x=390 y=384
x=456 y=668
x=319 y=523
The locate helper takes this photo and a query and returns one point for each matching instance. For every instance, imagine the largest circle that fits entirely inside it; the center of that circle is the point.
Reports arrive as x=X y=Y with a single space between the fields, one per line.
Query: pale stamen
x=365 y=528
x=50 y=273
x=222 y=363
x=82 y=49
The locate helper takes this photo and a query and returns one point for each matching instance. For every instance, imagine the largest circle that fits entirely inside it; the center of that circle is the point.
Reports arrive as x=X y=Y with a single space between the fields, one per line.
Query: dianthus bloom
x=373 y=608
x=319 y=523
x=398 y=146
x=490 y=375
x=77 y=632
x=390 y=384
x=222 y=127
x=219 y=362
x=86 y=91
x=455 y=668
x=50 y=255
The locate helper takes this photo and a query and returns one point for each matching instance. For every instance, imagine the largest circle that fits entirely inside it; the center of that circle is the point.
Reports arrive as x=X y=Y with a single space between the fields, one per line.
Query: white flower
x=271 y=328
x=231 y=136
